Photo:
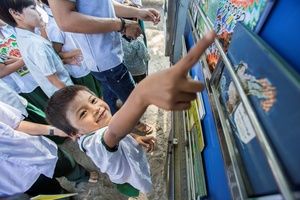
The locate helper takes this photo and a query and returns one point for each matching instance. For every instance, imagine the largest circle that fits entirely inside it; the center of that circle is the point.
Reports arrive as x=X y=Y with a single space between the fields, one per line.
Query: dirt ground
x=159 y=119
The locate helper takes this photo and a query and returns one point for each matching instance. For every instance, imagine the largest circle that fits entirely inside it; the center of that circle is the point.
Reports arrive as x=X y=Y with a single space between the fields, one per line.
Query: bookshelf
x=225 y=175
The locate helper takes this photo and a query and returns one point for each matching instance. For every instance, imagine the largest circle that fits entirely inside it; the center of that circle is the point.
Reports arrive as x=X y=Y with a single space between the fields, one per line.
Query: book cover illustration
x=253 y=160
x=273 y=89
x=210 y=8
x=250 y=12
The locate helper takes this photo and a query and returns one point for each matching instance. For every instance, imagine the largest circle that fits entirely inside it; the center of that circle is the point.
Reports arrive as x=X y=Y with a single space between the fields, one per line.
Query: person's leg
x=116 y=83
x=139 y=78
x=37 y=98
x=45 y=185
x=90 y=82
x=122 y=84
x=120 y=81
x=108 y=96
x=66 y=166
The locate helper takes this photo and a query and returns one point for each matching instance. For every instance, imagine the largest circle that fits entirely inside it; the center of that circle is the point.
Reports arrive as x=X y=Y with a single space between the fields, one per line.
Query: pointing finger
x=186 y=63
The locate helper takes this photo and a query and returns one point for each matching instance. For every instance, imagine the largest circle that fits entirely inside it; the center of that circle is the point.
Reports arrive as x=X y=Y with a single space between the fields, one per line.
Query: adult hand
x=132 y=29
x=149 y=14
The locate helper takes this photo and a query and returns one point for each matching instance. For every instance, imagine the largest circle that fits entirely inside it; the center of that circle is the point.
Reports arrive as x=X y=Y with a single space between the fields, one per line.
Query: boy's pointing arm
x=170 y=89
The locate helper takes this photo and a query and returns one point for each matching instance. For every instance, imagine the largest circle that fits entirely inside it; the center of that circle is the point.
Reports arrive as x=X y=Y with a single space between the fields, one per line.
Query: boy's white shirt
x=126 y=165
x=10 y=97
x=41 y=60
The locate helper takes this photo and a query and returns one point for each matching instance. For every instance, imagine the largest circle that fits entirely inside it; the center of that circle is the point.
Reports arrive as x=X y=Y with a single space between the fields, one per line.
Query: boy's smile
x=88 y=113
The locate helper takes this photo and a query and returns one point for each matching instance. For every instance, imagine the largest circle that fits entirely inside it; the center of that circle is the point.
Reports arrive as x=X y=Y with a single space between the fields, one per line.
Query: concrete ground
x=158 y=118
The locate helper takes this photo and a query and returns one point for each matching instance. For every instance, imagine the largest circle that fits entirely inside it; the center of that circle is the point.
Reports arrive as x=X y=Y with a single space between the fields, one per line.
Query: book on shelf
x=195 y=119
x=197 y=180
x=200 y=103
x=252 y=13
x=273 y=89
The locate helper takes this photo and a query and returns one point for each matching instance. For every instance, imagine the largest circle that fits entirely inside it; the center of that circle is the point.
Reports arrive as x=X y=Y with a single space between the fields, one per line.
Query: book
x=195 y=119
x=52 y=197
x=210 y=8
x=254 y=166
x=273 y=89
x=250 y=12
x=200 y=103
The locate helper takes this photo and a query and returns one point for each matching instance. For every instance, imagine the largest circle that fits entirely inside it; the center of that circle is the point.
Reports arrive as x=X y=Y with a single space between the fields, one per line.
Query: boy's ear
x=15 y=14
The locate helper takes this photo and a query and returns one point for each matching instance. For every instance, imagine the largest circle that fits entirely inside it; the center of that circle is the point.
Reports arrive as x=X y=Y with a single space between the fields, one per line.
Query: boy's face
x=88 y=113
x=29 y=18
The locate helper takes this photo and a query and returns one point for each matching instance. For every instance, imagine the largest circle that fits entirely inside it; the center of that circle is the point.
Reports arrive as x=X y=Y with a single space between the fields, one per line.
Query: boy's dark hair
x=45 y=2
x=57 y=105
x=16 y=5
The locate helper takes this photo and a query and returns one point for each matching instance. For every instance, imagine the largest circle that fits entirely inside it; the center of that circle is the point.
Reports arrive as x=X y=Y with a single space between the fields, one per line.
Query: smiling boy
x=106 y=138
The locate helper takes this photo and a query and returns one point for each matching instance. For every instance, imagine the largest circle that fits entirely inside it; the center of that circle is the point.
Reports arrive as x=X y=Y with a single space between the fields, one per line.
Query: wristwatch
x=51 y=131
x=123 y=24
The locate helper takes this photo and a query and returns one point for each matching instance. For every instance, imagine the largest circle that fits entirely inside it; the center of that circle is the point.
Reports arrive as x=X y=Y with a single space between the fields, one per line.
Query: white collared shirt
x=69 y=43
x=41 y=60
x=22 y=157
x=106 y=48
x=128 y=164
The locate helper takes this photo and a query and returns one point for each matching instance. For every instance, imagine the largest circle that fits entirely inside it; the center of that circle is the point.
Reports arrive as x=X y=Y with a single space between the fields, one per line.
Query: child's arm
x=170 y=89
x=10 y=65
x=65 y=54
x=38 y=129
x=56 y=81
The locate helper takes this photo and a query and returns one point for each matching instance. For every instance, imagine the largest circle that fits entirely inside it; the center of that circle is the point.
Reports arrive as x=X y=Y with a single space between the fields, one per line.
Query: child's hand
x=172 y=89
x=11 y=59
x=76 y=60
x=146 y=141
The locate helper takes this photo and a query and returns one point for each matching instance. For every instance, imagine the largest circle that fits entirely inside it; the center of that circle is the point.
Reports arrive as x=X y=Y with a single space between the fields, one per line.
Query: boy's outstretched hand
x=172 y=89
x=146 y=141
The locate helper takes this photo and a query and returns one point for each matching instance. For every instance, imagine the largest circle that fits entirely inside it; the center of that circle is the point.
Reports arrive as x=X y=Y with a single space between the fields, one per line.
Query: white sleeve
x=10 y=115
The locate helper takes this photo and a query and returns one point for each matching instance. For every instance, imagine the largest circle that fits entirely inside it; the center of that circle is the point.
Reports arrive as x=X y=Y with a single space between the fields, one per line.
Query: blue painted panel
x=216 y=180
x=281 y=31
